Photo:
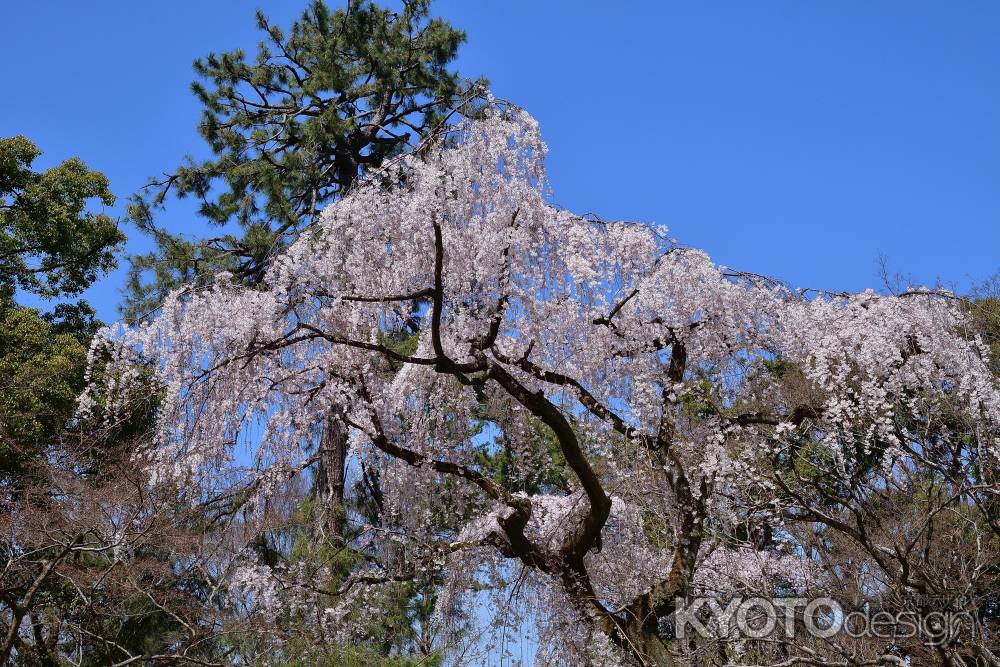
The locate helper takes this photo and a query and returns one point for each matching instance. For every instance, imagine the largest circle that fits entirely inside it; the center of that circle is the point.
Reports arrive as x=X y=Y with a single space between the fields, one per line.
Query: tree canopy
x=717 y=433
x=292 y=128
x=50 y=244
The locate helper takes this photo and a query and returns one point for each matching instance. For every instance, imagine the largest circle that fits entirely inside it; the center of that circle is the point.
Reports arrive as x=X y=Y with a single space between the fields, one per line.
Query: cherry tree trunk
x=331 y=472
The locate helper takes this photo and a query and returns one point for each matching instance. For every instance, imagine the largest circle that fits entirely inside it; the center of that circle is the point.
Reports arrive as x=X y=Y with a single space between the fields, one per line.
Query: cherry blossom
x=445 y=287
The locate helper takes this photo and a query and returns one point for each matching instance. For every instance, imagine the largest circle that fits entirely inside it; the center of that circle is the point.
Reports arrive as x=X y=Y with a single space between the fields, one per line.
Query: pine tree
x=291 y=129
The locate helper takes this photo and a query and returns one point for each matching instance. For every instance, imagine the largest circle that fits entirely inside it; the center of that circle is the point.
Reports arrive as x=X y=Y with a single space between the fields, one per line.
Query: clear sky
x=800 y=139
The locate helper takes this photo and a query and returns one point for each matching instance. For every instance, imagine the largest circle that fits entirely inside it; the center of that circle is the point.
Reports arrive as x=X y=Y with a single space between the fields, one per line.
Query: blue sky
x=797 y=139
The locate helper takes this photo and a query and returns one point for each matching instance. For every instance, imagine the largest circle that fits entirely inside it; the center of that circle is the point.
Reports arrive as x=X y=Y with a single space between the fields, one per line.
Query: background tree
x=93 y=569
x=49 y=243
x=292 y=128
x=984 y=307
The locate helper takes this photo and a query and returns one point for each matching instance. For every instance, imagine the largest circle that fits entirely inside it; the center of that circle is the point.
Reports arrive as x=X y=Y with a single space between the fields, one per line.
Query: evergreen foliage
x=291 y=129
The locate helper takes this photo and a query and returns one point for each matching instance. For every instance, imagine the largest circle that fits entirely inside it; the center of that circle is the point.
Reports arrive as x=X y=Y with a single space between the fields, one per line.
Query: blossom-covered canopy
x=446 y=312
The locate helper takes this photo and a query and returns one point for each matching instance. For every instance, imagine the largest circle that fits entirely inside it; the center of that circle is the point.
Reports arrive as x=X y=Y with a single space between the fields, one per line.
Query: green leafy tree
x=42 y=362
x=50 y=244
x=984 y=307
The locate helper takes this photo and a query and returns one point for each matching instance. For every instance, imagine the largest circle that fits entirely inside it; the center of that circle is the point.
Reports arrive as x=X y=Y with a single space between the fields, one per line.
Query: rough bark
x=330 y=479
